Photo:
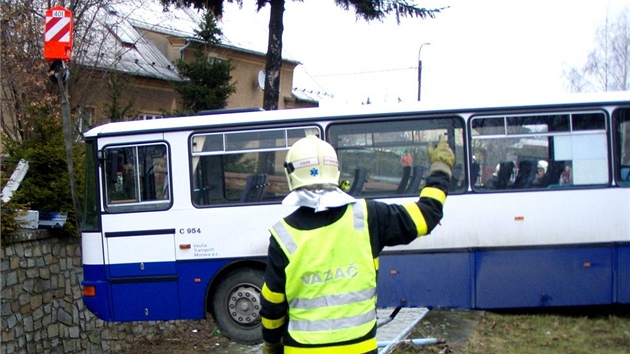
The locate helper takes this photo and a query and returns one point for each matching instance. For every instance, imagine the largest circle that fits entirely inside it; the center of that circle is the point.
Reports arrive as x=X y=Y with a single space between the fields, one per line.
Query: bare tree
x=24 y=69
x=28 y=97
x=22 y=66
x=608 y=64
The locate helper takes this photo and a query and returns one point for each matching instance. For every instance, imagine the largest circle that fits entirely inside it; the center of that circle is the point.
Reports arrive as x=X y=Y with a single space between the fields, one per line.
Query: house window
x=84 y=121
x=149 y=116
x=215 y=60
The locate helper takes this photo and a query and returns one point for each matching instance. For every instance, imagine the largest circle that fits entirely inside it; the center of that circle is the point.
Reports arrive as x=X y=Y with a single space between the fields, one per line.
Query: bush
x=9 y=219
x=46 y=186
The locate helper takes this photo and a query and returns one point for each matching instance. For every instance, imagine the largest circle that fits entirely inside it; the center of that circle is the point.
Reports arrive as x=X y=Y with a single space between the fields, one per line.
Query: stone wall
x=41 y=301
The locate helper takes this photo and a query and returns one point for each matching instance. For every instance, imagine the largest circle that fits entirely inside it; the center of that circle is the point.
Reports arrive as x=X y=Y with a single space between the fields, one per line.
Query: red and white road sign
x=58 y=34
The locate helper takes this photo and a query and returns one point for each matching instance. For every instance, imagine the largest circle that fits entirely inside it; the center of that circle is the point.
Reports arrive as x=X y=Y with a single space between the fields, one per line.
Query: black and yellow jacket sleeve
x=274 y=303
x=400 y=224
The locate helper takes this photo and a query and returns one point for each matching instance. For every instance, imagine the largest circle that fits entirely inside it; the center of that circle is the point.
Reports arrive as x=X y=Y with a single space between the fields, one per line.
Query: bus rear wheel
x=236 y=305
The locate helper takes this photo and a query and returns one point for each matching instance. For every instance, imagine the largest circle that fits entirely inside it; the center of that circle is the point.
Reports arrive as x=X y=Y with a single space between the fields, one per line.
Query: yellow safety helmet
x=311 y=161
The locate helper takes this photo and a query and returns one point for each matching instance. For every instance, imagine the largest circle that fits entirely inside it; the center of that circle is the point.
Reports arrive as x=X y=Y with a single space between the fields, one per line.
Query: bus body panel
x=201 y=243
x=145 y=299
x=194 y=278
x=100 y=304
x=426 y=280
x=544 y=277
x=92 y=249
x=529 y=218
x=94 y=275
x=208 y=233
x=226 y=232
x=142 y=255
x=622 y=275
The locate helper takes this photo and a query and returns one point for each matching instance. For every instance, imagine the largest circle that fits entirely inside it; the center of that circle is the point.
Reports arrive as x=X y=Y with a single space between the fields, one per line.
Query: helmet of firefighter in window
x=311 y=162
x=542 y=165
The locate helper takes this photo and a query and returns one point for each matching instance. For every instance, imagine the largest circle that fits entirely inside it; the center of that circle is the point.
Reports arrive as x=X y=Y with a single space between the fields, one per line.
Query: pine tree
x=208 y=86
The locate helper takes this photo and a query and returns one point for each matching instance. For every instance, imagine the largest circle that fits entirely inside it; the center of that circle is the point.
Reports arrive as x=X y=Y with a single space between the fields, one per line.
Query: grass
x=575 y=330
x=563 y=332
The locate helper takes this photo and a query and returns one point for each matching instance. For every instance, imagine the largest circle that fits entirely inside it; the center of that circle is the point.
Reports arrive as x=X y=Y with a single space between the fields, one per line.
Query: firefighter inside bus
x=566 y=176
x=406 y=160
x=540 y=178
x=503 y=176
x=491 y=182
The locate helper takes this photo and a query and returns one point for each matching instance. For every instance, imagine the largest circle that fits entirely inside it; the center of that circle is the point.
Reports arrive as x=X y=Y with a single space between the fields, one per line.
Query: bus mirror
x=111 y=163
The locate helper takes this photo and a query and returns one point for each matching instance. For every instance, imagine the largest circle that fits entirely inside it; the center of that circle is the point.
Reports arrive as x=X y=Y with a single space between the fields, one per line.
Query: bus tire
x=236 y=305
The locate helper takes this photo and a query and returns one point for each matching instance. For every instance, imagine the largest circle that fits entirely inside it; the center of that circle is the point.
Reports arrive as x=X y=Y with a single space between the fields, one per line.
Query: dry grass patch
x=569 y=331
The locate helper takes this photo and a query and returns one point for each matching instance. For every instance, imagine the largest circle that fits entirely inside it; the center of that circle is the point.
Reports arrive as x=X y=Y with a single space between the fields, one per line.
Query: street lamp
x=420 y=68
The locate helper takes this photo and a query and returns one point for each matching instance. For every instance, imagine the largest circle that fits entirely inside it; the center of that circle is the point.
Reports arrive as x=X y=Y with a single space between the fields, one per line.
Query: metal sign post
x=58 y=37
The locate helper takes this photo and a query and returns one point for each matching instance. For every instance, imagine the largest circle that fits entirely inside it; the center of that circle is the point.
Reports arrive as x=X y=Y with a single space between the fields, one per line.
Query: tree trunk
x=274 y=56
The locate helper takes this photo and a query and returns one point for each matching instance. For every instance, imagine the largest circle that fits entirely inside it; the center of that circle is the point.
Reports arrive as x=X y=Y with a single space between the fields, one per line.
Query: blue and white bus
x=178 y=209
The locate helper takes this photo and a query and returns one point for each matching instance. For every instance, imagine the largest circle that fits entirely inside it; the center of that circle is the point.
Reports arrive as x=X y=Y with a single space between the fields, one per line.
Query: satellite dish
x=261 y=79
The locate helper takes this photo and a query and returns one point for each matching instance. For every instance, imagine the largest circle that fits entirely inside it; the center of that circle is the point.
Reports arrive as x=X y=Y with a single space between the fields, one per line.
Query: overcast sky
x=479 y=48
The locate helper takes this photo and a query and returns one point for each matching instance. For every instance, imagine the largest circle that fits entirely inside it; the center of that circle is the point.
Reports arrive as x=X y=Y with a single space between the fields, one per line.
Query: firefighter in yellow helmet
x=319 y=294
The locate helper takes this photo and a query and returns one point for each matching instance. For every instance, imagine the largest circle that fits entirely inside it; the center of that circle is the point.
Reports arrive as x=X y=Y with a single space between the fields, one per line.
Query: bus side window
x=622 y=144
x=250 y=177
x=526 y=174
x=120 y=170
x=393 y=154
x=457 y=178
x=207 y=180
x=137 y=174
x=254 y=188
x=552 y=149
x=245 y=166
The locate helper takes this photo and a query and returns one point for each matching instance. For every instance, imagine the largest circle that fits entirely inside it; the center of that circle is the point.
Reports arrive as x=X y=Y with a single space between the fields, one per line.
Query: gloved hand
x=272 y=348
x=441 y=157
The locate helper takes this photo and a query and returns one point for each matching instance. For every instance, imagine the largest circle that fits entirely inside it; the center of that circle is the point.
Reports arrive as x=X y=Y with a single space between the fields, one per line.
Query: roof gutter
x=181 y=50
x=231 y=47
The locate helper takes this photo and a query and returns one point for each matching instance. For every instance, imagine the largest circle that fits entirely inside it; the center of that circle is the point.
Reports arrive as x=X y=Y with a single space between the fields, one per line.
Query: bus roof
x=340 y=112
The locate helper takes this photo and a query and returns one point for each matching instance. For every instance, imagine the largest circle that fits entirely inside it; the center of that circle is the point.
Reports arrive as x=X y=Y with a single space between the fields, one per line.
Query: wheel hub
x=244 y=305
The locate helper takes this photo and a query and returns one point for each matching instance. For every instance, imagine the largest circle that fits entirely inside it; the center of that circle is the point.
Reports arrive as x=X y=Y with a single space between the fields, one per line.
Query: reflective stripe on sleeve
x=433 y=193
x=273 y=297
x=418 y=218
x=273 y=324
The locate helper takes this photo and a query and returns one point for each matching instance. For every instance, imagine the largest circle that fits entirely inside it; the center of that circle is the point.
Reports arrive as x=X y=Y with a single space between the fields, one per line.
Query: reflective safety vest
x=331 y=278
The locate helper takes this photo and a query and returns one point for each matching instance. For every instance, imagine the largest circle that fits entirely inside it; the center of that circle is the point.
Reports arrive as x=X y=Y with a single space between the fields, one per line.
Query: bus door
x=622 y=175
x=139 y=252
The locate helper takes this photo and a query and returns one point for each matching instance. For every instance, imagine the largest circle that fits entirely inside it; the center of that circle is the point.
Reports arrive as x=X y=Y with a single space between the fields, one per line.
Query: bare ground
x=191 y=337
x=454 y=328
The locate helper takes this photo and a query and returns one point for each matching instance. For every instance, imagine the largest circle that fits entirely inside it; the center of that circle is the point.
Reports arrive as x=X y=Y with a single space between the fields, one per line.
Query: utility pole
x=420 y=69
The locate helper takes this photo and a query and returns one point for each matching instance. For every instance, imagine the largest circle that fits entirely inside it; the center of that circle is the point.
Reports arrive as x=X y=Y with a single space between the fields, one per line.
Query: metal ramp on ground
x=392 y=331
